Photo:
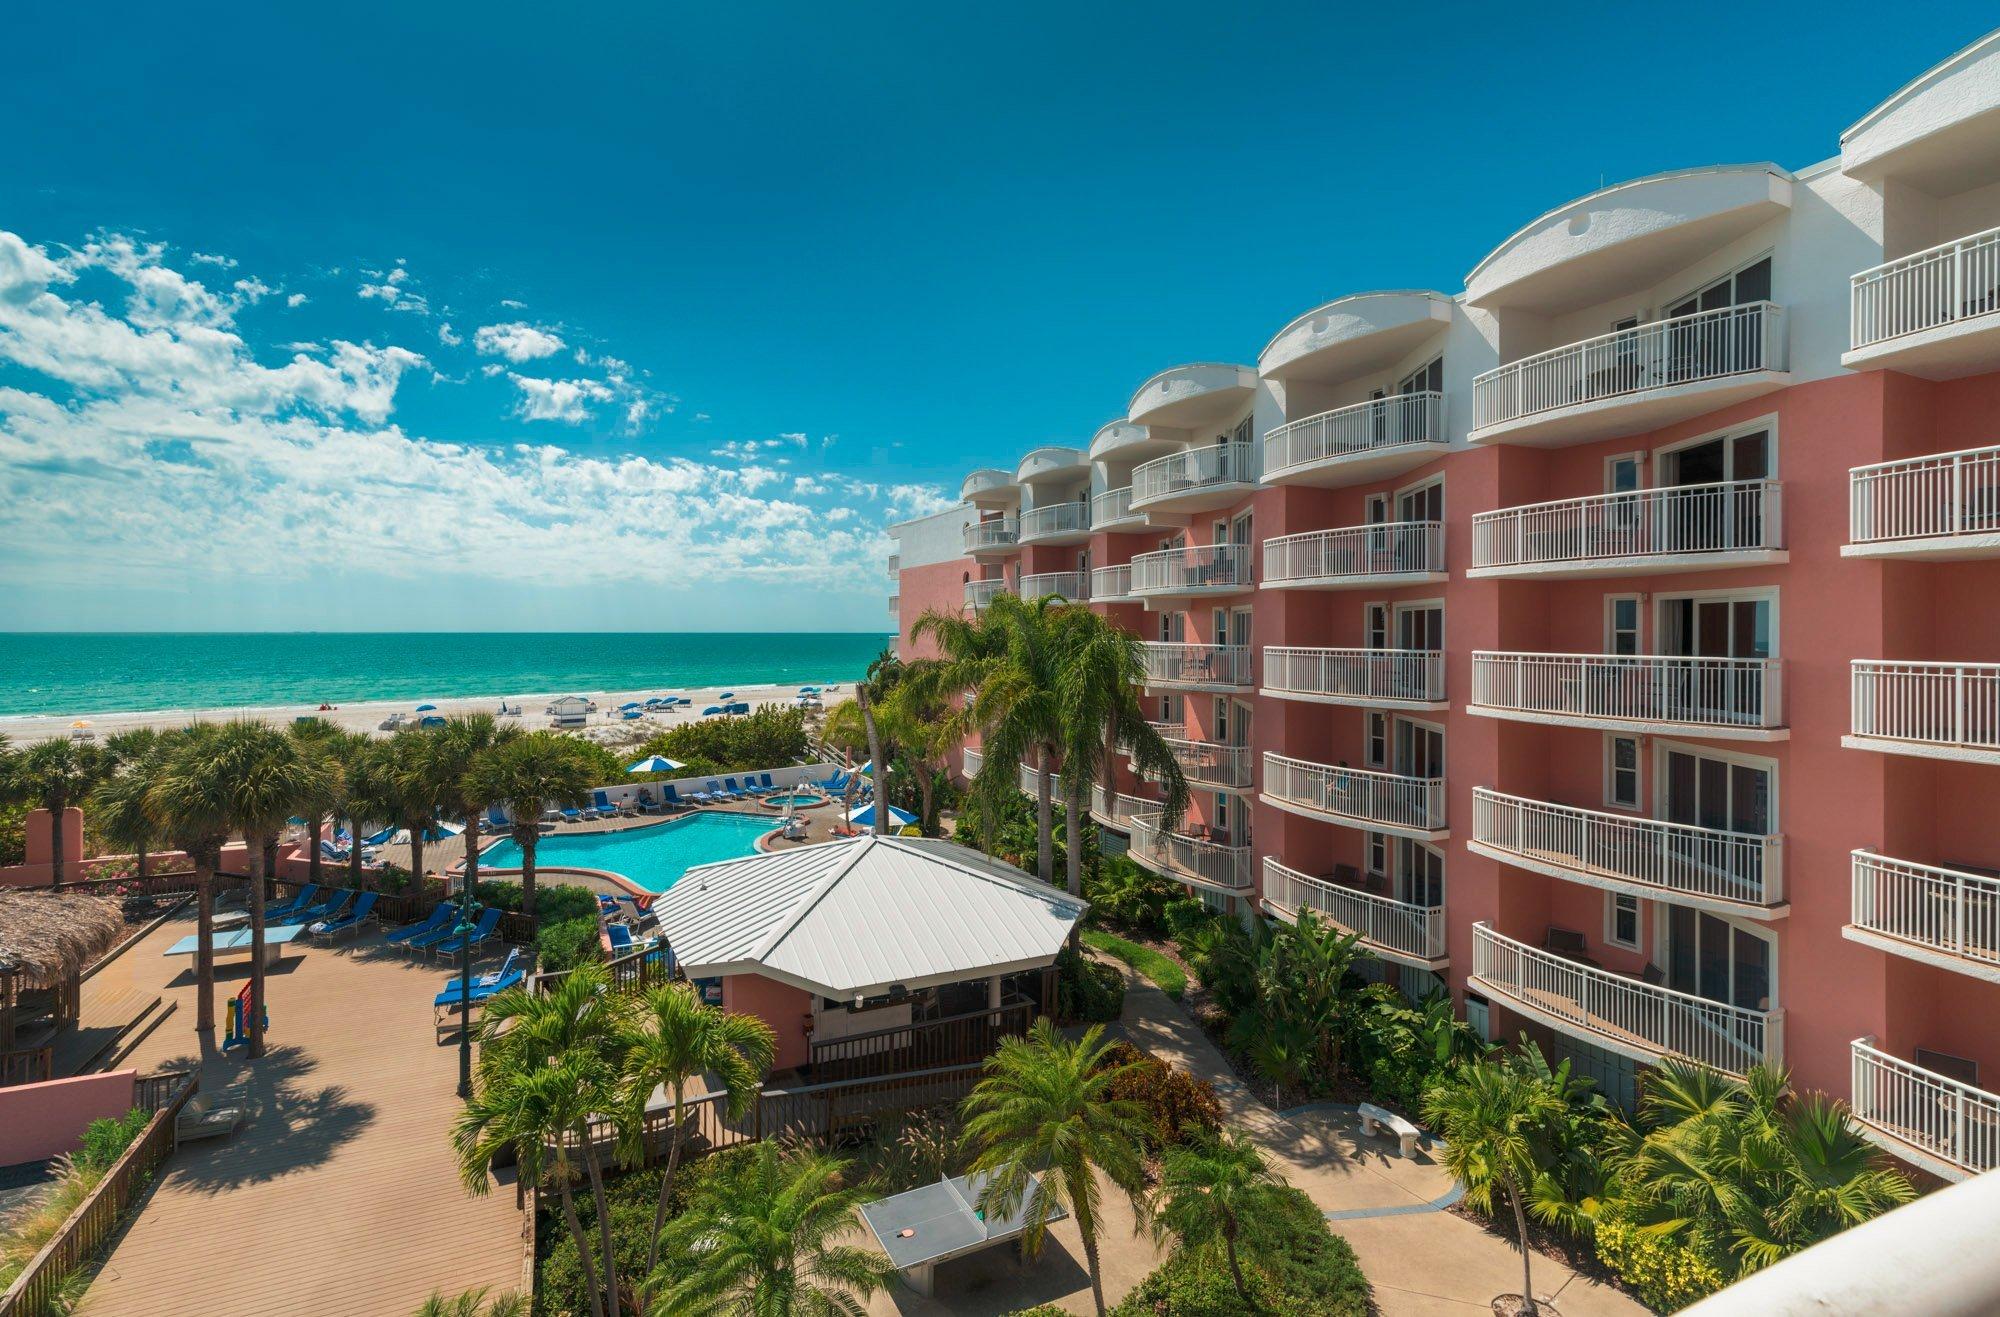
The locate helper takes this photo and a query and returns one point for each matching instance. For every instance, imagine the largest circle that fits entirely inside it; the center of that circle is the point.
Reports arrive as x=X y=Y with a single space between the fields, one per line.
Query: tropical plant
x=924 y=725
x=1403 y=1048
x=119 y=804
x=1043 y=1116
x=1123 y=892
x=54 y=775
x=404 y=783
x=680 y=1037
x=884 y=670
x=1217 y=1194
x=1298 y=1267
x=768 y=736
x=530 y=774
x=762 y=1238
x=1178 y=1105
x=188 y=803
x=474 y=1303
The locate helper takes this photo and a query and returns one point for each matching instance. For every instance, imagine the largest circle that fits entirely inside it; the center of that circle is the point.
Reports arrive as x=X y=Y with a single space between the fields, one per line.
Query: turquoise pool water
x=797 y=798
x=653 y=857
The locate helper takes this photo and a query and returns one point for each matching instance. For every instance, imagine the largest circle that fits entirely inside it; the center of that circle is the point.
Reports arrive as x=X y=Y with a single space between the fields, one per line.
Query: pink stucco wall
x=788 y=1010
x=38 y=1121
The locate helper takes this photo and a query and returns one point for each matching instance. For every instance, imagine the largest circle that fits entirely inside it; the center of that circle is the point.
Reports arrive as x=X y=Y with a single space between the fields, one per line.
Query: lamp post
x=466 y=911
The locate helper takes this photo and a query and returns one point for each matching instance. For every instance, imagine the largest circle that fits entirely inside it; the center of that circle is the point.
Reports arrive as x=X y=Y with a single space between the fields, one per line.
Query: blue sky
x=655 y=315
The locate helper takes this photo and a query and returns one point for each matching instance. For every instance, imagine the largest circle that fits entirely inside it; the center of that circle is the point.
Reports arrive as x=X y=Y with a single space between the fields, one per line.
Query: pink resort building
x=1613 y=640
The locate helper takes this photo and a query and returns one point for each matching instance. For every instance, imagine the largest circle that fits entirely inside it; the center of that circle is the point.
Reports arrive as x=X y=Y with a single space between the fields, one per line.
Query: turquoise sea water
x=654 y=857
x=46 y=673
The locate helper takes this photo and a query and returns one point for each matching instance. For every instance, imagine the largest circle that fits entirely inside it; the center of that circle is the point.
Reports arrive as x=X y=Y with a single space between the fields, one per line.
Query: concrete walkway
x=1419 y=1258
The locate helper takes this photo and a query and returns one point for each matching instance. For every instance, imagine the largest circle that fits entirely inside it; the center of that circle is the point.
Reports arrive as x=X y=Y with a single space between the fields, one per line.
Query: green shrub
x=1041 y=1310
x=1177 y=1103
x=1166 y=975
x=771 y=737
x=564 y=902
x=1086 y=990
x=1666 y=1274
x=1121 y=892
x=104 y=1141
x=391 y=879
x=559 y=1281
x=567 y=944
x=1306 y=1271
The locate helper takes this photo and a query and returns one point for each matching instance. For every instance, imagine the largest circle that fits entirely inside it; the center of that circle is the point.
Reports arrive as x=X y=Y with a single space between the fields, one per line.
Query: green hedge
x=1306 y=1271
x=1087 y=990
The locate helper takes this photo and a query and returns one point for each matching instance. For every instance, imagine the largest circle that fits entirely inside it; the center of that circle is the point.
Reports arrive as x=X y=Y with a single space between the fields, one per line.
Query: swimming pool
x=796 y=799
x=653 y=857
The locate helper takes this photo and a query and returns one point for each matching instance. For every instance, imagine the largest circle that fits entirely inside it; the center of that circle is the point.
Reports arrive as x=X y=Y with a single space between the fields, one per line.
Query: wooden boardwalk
x=340 y=1193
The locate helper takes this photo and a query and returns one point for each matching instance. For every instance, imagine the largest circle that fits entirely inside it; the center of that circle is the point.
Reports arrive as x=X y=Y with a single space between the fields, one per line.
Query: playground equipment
x=238 y=1033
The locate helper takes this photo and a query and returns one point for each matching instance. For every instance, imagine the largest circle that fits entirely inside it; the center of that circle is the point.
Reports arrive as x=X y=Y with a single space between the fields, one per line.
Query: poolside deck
x=340 y=1193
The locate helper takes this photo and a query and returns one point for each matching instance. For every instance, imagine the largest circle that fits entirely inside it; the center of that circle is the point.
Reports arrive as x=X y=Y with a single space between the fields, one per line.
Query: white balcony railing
x=1356 y=554
x=980 y=593
x=1646 y=688
x=1957 y=280
x=1671 y=859
x=1111 y=507
x=992 y=533
x=1176 y=853
x=1210 y=764
x=1119 y=807
x=1925 y=497
x=895 y=563
x=1949 y=1120
x=1733 y=516
x=1361 y=675
x=1948 y=911
x=1410 y=930
x=972 y=759
x=1067 y=585
x=1628 y=1013
x=1953 y=706
x=1408 y=418
x=1111 y=583
x=1708 y=345
x=1173 y=663
x=1364 y=795
x=1055 y=519
x=1192 y=567
x=1031 y=785
x=1194 y=468
x=895 y=606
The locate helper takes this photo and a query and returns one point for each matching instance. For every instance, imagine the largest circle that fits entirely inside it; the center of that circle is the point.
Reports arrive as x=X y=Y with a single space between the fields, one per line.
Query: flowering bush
x=1666 y=1274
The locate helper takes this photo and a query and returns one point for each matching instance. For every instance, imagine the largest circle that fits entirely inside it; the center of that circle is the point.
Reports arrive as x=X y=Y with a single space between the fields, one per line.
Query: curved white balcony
x=896 y=606
x=1052 y=462
x=1721 y=698
x=971 y=759
x=1058 y=523
x=988 y=485
x=1192 y=571
x=895 y=563
x=1677 y=528
x=1931 y=710
x=1205 y=393
x=1380 y=556
x=1031 y=784
x=1175 y=664
x=1111 y=585
x=1196 y=479
x=1945 y=1125
x=1065 y=585
x=1356 y=797
x=1122 y=441
x=1187 y=858
x=1390 y=930
x=994 y=535
x=1633 y=379
x=1939 y=132
x=1366 y=441
x=1374 y=678
x=1926 y=912
x=1350 y=337
x=1934 y=313
x=1944 y=506
x=978 y=594
x=1112 y=510
x=1645 y=1021
x=1707 y=868
x=1117 y=809
x=1210 y=765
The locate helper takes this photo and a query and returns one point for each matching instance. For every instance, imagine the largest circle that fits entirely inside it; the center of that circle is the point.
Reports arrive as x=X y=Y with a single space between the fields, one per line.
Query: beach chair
x=362 y=911
x=647 y=805
x=671 y=798
x=441 y=914
x=285 y=909
x=206 y=1116
x=713 y=790
x=327 y=909
x=768 y=784
x=496 y=818
x=571 y=814
x=623 y=943
x=735 y=790
x=609 y=808
x=451 y=945
x=487 y=980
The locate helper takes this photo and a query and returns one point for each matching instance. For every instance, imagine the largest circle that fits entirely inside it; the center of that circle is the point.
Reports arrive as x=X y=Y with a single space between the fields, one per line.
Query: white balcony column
x=1941 y=285
x=1926 y=912
x=1350 y=435
x=1174 y=663
x=1410 y=934
x=1410 y=806
x=1192 y=569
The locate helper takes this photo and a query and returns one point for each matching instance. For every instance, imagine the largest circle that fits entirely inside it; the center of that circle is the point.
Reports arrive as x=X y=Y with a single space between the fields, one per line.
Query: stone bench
x=1374 y=1119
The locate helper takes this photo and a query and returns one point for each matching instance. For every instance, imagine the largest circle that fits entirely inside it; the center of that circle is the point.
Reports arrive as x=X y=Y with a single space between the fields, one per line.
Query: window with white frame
x=1621 y=624
x=1219 y=811
x=1221 y=731
x=1621 y=772
x=1378 y=853
x=1375 y=624
x=1375 y=747
x=1621 y=920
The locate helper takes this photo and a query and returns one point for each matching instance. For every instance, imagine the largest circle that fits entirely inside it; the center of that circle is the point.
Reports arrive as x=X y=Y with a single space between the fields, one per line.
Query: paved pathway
x=1420 y=1259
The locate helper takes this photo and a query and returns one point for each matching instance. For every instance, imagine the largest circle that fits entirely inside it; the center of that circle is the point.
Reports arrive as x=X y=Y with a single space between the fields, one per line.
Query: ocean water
x=65 y=673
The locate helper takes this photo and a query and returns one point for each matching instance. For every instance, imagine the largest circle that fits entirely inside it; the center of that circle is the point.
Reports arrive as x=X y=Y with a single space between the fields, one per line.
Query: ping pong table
x=938 y=1222
x=275 y=941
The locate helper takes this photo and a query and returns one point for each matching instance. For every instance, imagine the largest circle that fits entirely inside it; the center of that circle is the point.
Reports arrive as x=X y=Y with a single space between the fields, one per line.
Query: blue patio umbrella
x=713 y=708
x=865 y=817
x=654 y=764
x=726 y=695
x=631 y=704
x=426 y=708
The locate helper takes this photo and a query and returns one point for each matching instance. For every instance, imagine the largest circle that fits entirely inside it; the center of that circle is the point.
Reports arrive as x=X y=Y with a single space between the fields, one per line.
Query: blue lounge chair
x=496 y=817
x=621 y=939
x=439 y=915
x=451 y=945
x=571 y=814
x=361 y=912
x=450 y=999
x=605 y=807
x=669 y=796
x=713 y=790
x=487 y=980
x=327 y=909
x=768 y=784
x=735 y=790
x=285 y=909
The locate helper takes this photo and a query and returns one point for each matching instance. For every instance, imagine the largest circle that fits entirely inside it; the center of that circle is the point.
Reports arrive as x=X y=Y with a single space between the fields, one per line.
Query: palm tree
x=54 y=775
x=119 y=804
x=410 y=790
x=374 y=792
x=1218 y=1192
x=327 y=745
x=923 y=723
x=679 y=1038
x=1495 y=1119
x=530 y=774
x=760 y=1239
x=263 y=777
x=883 y=673
x=581 y=1029
x=192 y=811
x=1045 y=1108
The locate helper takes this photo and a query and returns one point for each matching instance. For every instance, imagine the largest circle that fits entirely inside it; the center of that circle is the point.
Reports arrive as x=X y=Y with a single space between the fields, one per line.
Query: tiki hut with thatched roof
x=47 y=940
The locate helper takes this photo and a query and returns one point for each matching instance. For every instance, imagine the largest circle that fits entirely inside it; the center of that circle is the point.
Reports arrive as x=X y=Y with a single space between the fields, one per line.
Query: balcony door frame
x=1767 y=425
x=1768 y=595
x=1769 y=767
x=1662 y=945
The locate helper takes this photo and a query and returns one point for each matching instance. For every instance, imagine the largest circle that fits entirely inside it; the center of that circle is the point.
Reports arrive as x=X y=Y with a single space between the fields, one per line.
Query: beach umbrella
x=81 y=722
x=632 y=704
x=654 y=764
x=867 y=769
x=726 y=695
x=426 y=708
x=865 y=817
x=713 y=708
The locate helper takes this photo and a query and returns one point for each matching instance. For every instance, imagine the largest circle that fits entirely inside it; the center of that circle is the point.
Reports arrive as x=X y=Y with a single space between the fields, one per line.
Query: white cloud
x=296 y=300
x=209 y=258
x=558 y=400
x=517 y=341
x=918 y=500
x=447 y=337
x=513 y=305
x=808 y=485
x=252 y=290
x=393 y=288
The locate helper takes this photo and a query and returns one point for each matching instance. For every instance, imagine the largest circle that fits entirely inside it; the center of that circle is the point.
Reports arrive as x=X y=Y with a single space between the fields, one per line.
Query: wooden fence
x=633 y=972
x=923 y=1045
x=35 y=1291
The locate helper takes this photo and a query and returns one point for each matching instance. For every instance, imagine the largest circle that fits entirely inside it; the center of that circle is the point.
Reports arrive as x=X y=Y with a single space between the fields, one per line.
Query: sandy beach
x=368 y=715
